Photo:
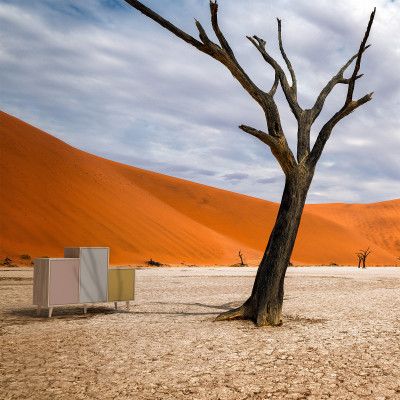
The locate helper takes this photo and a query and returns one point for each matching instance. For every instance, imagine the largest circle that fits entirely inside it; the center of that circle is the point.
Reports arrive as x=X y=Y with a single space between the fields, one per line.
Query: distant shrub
x=25 y=257
x=7 y=262
x=153 y=263
x=239 y=265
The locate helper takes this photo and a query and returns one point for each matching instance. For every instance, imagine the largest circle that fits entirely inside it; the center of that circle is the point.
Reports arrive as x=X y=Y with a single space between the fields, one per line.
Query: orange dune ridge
x=55 y=196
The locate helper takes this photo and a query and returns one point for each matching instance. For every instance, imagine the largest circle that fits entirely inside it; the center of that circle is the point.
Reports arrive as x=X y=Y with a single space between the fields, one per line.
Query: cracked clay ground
x=340 y=339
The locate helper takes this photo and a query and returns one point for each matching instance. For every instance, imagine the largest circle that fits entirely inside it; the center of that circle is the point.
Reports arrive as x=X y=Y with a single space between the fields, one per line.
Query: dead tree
x=362 y=256
x=242 y=264
x=359 y=259
x=264 y=305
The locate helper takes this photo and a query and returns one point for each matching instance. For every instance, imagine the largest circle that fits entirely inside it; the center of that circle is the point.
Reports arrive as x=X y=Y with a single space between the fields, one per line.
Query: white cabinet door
x=94 y=274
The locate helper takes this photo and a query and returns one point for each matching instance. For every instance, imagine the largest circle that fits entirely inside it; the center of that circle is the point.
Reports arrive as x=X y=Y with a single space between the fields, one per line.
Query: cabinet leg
x=50 y=311
x=127 y=306
x=38 y=310
x=85 y=309
x=116 y=305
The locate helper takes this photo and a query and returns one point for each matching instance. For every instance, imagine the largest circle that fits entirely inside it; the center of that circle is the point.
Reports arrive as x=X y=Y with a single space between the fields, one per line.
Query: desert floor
x=340 y=339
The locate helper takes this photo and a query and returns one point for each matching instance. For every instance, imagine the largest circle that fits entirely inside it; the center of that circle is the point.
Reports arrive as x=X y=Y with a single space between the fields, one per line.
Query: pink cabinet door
x=64 y=282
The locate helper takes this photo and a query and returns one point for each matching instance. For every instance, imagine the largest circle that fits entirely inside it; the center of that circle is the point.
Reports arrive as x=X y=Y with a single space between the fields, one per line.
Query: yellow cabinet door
x=121 y=284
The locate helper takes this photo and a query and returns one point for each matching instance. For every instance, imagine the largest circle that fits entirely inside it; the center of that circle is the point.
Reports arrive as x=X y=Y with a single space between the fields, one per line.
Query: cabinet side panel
x=64 y=282
x=121 y=284
x=72 y=252
x=41 y=282
x=94 y=275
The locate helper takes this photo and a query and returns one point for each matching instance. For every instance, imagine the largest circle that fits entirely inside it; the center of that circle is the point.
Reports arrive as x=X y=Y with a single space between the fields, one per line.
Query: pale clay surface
x=340 y=339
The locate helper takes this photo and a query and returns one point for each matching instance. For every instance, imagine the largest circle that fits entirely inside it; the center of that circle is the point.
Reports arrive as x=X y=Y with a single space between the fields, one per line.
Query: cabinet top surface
x=87 y=248
x=56 y=258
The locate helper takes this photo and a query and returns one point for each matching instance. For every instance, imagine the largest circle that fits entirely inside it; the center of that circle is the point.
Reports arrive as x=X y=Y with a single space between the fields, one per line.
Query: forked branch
x=289 y=91
x=353 y=78
x=338 y=78
x=221 y=38
x=349 y=105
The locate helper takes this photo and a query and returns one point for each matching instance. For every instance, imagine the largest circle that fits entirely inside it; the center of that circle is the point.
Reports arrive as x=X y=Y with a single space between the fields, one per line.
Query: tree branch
x=264 y=137
x=221 y=38
x=227 y=57
x=167 y=25
x=279 y=148
x=349 y=105
x=326 y=130
x=338 y=78
x=359 y=56
x=347 y=81
x=287 y=90
x=288 y=64
x=202 y=33
x=224 y=55
x=275 y=85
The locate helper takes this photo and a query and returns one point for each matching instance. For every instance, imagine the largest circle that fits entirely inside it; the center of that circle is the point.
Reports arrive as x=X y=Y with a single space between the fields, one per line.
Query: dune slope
x=53 y=195
x=378 y=222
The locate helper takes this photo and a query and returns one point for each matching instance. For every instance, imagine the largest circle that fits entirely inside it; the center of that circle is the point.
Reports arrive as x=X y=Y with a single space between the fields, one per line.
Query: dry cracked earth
x=340 y=339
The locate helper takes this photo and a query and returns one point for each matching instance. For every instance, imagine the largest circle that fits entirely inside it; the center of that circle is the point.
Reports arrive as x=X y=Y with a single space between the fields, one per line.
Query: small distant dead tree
x=359 y=259
x=242 y=264
x=264 y=306
x=362 y=256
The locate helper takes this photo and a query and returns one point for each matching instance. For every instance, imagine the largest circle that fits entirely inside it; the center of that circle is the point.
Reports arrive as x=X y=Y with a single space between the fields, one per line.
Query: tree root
x=236 y=313
x=246 y=312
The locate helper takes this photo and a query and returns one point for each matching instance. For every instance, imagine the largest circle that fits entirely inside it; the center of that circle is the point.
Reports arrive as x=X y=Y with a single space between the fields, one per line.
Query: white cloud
x=104 y=78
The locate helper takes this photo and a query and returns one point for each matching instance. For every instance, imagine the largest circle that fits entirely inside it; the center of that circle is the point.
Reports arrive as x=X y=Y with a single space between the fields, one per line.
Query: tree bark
x=264 y=306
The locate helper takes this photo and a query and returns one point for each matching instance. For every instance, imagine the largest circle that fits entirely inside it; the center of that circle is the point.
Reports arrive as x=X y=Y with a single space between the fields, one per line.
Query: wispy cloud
x=102 y=77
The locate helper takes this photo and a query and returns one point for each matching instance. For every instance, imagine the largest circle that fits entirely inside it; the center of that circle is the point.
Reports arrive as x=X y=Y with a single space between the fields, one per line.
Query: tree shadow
x=29 y=315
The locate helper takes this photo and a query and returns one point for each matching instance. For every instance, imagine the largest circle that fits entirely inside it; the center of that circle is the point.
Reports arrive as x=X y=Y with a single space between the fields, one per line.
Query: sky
x=104 y=78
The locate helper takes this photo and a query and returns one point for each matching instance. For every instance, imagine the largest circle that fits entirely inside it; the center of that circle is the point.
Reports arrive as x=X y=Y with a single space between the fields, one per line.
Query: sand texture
x=340 y=339
x=55 y=196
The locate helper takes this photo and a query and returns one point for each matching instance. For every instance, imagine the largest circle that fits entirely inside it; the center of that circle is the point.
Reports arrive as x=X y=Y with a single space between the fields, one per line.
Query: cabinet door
x=94 y=279
x=64 y=282
x=121 y=284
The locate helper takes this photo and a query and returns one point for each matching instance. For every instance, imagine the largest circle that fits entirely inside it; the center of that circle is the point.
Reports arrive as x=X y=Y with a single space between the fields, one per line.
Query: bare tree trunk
x=264 y=306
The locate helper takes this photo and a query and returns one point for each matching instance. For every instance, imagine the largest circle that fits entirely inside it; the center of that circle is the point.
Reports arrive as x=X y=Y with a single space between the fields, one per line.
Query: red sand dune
x=53 y=195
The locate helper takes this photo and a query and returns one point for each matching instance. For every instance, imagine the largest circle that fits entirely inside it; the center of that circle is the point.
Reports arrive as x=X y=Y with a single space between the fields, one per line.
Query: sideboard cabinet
x=82 y=276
